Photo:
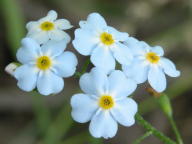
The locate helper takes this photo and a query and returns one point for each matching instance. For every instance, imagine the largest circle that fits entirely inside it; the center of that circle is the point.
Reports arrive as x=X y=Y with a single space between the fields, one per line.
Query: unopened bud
x=10 y=68
x=165 y=104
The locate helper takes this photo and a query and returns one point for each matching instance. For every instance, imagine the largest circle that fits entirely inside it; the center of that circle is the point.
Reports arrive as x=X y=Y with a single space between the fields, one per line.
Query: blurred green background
x=27 y=118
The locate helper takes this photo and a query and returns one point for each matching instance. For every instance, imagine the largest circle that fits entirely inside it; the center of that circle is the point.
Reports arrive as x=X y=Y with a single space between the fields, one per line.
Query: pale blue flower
x=103 y=43
x=48 y=28
x=104 y=102
x=149 y=64
x=44 y=66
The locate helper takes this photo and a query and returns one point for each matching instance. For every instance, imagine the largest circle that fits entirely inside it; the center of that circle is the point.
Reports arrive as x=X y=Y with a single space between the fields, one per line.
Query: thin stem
x=83 y=70
x=85 y=66
x=140 y=139
x=176 y=131
x=154 y=131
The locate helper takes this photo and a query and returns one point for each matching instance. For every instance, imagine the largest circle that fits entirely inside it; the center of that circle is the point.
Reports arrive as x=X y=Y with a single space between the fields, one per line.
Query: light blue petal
x=59 y=35
x=103 y=58
x=120 y=86
x=158 y=50
x=84 y=24
x=51 y=16
x=157 y=79
x=122 y=54
x=124 y=111
x=41 y=37
x=103 y=125
x=65 y=64
x=63 y=24
x=95 y=82
x=84 y=42
x=119 y=36
x=83 y=107
x=32 y=27
x=94 y=21
x=137 y=71
x=169 y=67
x=29 y=51
x=27 y=77
x=137 y=47
x=49 y=83
x=54 y=48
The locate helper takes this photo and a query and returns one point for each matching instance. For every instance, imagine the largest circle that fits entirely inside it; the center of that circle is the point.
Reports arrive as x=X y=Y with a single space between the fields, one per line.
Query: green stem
x=154 y=131
x=176 y=131
x=84 y=68
x=140 y=139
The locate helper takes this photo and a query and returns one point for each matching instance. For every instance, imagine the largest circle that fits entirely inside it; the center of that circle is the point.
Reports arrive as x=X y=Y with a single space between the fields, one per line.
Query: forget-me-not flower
x=49 y=28
x=150 y=64
x=103 y=43
x=104 y=102
x=43 y=67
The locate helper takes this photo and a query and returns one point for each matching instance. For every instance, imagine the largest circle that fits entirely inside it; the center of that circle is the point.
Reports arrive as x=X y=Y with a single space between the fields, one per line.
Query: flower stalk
x=154 y=131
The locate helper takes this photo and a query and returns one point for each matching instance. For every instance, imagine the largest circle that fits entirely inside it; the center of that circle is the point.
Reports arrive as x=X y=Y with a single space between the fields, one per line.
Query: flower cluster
x=105 y=99
x=44 y=61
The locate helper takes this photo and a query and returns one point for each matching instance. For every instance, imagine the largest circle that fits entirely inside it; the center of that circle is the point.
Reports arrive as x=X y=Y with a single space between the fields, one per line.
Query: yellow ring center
x=152 y=57
x=47 y=26
x=106 y=38
x=106 y=102
x=43 y=62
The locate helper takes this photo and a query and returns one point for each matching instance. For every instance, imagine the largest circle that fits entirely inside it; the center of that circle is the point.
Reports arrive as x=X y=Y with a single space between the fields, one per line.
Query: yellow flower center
x=47 y=26
x=106 y=102
x=152 y=57
x=43 y=62
x=106 y=38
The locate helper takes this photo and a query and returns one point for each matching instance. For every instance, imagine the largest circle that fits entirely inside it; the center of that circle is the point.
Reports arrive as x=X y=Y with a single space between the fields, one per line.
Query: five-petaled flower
x=49 y=28
x=104 y=102
x=102 y=42
x=44 y=66
x=150 y=64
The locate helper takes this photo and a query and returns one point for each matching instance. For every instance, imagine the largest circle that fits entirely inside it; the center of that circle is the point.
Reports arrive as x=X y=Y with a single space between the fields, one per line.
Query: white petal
x=63 y=24
x=135 y=46
x=27 y=77
x=51 y=16
x=41 y=37
x=29 y=50
x=137 y=71
x=83 y=107
x=122 y=54
x=54 y=48
x=169 y=67
x=158 y=50
x=83 y=24
x=124 y=111
x=65 y=64
x=119 y=36
x=94 y=21
x=103 y=125
x=103 y=59
x=33 y=27
x=84 y=42
x=157 y=79
x=119 y=85
x=58 y=35
x=95 y=82
x=49 y=83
